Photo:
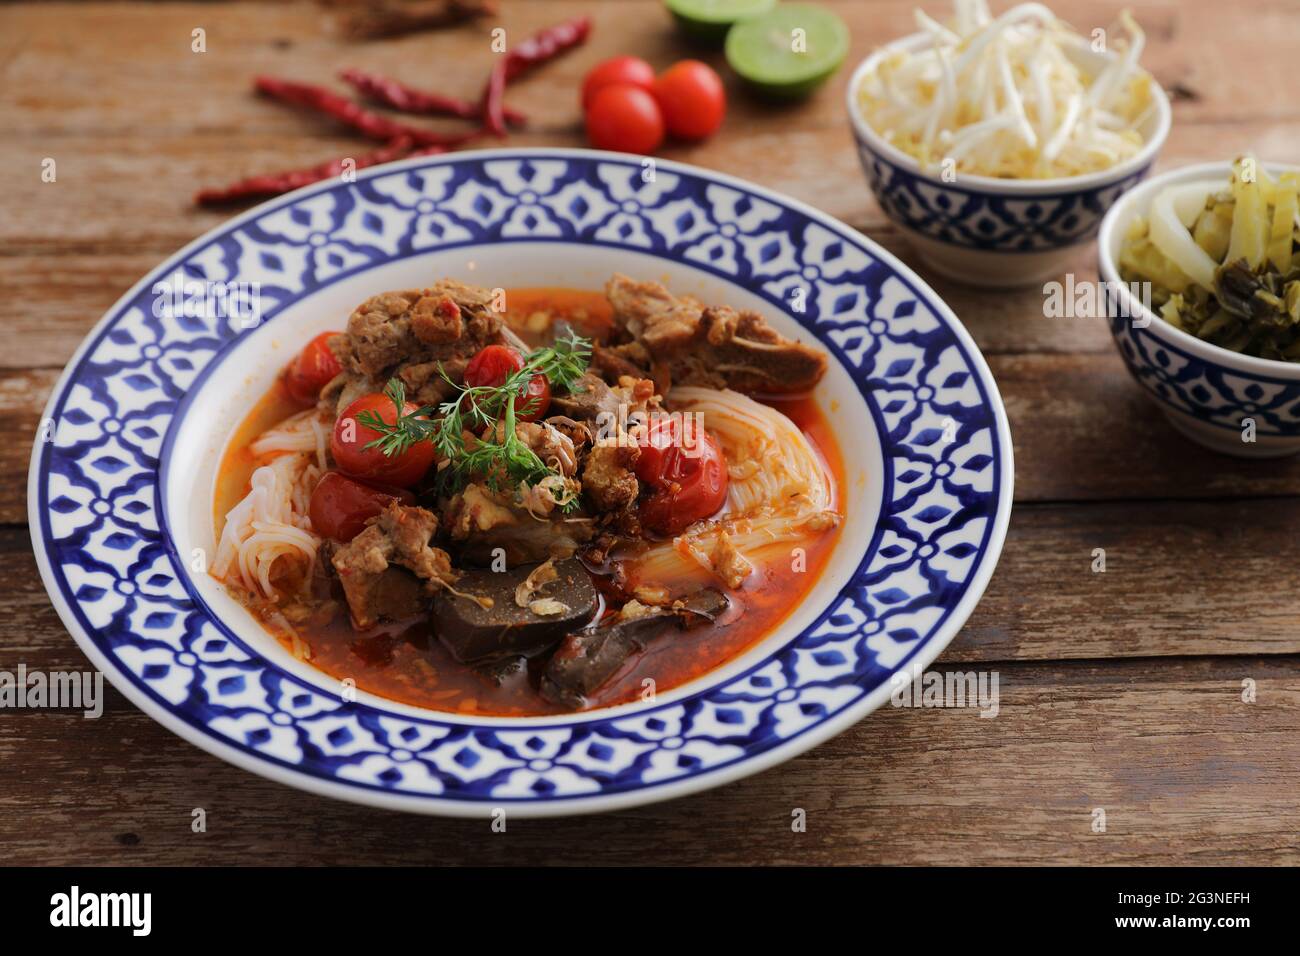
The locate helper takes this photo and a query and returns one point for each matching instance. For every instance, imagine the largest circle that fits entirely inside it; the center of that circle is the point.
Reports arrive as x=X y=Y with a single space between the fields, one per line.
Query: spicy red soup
x=404 y=661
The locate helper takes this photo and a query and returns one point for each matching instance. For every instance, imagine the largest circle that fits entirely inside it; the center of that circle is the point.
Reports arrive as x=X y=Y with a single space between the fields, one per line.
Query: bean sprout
x=1010 y=97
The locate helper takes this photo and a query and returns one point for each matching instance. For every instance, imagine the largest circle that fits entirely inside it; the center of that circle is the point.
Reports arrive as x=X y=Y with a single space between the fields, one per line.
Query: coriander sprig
x=563 y=362
x=409 y=430
x=473 y=431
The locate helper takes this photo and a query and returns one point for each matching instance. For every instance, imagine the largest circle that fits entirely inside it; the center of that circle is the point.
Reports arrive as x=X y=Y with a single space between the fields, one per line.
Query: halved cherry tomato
x=312 y=369
x=686 y=473
x=340 y=505
x=350 y=437
x=624 y=118
x=627 y=70
x=692 y=99
x=493 y=364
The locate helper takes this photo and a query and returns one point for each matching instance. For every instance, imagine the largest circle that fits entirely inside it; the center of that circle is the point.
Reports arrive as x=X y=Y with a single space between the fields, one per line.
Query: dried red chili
x=399 y=96
x=494 y=116
x=400 y=139
x=542 y=47
x=341 y=108
x=546 y=45
x=277 y=183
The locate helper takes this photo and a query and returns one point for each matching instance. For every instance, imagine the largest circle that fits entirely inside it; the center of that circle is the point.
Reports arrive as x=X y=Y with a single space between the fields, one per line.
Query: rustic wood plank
x=48 y=245
x=1185 y=771
x=22 y=399
x=1085 y=431
x=153 y=180
x=204 y=126
x=1187 y=44
x=53 y=301
x=1180 y=578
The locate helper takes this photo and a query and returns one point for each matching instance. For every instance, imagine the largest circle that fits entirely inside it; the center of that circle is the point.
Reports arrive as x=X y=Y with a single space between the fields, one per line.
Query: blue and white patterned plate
x=121 y=483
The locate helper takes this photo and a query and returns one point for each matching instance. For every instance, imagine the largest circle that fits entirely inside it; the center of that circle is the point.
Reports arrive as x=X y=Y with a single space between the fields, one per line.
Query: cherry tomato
x=348 y=445
x=624 y=118
x=626 y=70
x=686 y=473
x=340 y=505
x=493 y=364
x=312 y=369
x=692 y=99
x=532 y=405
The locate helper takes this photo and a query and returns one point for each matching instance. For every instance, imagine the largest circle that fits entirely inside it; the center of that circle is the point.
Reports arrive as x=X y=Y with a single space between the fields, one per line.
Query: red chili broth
x=406 y=663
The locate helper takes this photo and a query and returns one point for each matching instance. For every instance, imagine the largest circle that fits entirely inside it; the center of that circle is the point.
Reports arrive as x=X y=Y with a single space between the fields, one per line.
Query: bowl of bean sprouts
x=998 y=144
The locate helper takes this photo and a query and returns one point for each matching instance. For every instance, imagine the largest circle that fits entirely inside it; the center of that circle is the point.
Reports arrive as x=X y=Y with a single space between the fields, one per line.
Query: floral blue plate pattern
x=100 y=472
x=1212 y=393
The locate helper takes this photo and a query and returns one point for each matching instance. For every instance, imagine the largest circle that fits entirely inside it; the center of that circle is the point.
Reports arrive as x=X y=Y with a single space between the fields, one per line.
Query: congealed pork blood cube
x=586 y=660
x=475 y=633
x=399 y=593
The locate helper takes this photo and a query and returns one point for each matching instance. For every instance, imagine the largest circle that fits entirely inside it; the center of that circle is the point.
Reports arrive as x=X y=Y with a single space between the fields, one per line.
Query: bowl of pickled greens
x=1201 y=275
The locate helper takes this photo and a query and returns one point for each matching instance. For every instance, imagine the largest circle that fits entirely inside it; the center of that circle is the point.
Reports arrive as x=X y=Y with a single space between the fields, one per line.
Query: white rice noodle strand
x=270 y=525
x=779 y=491
x=307 y=431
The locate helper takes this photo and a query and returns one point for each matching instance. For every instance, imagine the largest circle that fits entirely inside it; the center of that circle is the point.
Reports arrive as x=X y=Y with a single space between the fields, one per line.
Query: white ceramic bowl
x=992 y=232
x=1208 y=393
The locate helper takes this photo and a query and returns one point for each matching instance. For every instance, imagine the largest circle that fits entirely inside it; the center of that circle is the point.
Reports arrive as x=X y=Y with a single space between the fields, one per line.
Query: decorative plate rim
x=828 y=725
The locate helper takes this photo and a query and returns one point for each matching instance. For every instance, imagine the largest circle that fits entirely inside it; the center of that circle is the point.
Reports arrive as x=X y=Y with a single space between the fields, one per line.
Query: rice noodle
x=270 y=524
x=778 y=491
x=307 y=431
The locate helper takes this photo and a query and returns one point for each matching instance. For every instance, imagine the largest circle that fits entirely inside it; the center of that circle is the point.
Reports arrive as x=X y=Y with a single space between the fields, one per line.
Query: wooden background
x=1119 y=690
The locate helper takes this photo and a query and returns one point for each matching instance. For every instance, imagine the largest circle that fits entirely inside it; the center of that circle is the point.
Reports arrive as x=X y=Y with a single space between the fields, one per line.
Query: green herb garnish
x=499 y=456
x=563 y=363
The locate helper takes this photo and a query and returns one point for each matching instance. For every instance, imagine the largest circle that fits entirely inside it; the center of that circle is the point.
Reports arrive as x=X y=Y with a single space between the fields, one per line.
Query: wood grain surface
x=1120 y=691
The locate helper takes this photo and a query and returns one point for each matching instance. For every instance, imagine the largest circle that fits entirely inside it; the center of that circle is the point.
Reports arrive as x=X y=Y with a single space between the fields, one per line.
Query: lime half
x=790 y=50
x=711 y=19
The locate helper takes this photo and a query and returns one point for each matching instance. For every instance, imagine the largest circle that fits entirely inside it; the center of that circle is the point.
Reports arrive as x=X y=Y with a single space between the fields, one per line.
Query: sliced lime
x=790 y=50
x=711 y=19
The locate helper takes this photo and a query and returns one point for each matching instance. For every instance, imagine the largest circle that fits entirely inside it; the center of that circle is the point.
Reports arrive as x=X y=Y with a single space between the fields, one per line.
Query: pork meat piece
x=411 y=333
x=607 y=476
x=716 y=346
x=487 y=524
x=613 y=362
x=652 y=315
x=372 y=567
x=589 y=400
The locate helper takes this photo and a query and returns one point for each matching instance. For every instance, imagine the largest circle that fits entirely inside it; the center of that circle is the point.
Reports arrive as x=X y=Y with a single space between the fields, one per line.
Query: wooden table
x=1120 y=690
